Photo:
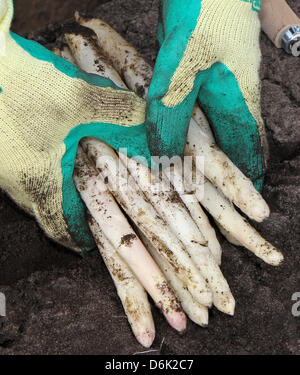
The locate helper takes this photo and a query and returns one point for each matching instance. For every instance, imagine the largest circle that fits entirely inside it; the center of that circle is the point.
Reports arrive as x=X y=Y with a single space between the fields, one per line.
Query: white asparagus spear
x=224 y=212
x=88 y=56
x=65 y=53
x=220 y=170
x=218 y=167
x=239 y=231
x=229 y=237
x=201 y=120
x=226 y=215
x=202 y=222
x=138 y=208
x=124 y=57
x=170 y=207
x=131 y=293
x=204 y=132
x=116 y=228
x=196 y=212
x=196 y=312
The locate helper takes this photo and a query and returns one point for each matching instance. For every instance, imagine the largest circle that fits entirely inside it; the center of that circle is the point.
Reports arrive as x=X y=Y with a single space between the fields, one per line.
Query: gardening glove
x=210 y=52
x=46 y=106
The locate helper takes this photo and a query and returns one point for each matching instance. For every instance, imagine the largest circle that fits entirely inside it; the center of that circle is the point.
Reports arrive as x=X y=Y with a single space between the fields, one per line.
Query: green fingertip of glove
x=169 y=140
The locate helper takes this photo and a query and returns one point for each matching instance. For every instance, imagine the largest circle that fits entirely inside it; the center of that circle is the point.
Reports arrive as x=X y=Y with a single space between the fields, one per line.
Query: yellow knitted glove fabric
x=39 y=106
x=223 y=33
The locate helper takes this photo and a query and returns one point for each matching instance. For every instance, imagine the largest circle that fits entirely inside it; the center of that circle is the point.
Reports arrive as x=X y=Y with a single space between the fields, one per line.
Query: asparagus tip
x=201 y=319
x=177 y=320
x=260 y=211
x=225 y=303
x=81 y=18
x=275 y=258
x=77 y=16
x=146 y=338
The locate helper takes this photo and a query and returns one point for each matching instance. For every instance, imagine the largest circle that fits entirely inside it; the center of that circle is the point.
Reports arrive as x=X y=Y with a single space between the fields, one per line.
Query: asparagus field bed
x=88 y=54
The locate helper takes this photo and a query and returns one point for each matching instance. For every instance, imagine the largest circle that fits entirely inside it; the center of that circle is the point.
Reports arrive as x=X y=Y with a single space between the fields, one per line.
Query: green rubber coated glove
x=210 y=53
x=46 y=106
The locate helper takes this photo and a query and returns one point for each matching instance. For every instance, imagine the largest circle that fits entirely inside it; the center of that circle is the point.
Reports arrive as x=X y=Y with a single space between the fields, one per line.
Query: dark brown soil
x=35 y=14
x=58 y=303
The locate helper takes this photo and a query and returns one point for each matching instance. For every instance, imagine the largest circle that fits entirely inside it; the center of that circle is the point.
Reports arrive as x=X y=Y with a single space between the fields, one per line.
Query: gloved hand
x=46 y=106
x=210 y=52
